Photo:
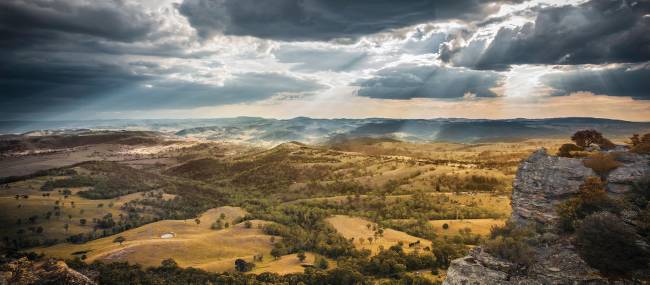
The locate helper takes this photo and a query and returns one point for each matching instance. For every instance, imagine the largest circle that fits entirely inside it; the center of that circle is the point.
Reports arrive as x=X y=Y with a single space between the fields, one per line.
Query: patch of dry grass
x=193 y=245
x=478 y=226
x=354 y=227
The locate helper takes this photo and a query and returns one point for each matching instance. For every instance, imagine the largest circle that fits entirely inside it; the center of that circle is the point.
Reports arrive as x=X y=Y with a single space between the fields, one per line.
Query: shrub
x=608 y=244
x=602 y=163
x=514 y=250
x=512 y=243
x=591 y=199
x=606 y=144
x=566 y=150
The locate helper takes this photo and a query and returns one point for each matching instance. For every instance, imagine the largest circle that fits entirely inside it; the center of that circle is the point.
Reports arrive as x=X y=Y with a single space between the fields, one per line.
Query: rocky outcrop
x=542 y=182
x=621 y=179
x=23 y=271
x=557 y=264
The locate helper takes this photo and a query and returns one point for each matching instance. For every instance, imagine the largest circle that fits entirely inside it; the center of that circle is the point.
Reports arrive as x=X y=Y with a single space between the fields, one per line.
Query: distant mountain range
x=308 y=130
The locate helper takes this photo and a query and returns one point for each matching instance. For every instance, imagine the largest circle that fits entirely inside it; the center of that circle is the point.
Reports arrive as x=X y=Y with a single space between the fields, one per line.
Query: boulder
x=635 y=167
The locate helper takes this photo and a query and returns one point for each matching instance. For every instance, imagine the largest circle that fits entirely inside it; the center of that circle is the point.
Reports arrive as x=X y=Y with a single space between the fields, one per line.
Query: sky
x=494 y=59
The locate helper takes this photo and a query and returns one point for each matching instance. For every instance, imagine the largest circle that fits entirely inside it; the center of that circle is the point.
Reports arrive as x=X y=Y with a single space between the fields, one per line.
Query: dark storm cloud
x=322 y=19
x=599 y=31
x=411 y=81
x=33 y=84
x=623 y=81
x=177 y=94
x=29 y=22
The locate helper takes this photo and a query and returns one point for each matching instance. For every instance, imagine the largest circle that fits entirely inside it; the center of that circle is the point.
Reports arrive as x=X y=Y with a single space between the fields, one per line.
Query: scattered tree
x=119 y=239
x=301 y=256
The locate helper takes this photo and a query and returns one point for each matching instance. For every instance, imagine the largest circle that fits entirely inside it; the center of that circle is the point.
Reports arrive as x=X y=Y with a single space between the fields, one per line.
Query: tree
x=445 y=226
x=119 y=239
x=243 y=266
x=322 y=263
x=586 y=138
x=82 y=222
x=301 y=256
x=197 y=221
x=169 y=264
x=248 y=224
x=217 y=225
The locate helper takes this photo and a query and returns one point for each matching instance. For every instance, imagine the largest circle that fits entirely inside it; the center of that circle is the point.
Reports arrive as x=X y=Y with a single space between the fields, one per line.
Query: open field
x=188 y=243
x=288 y=264
x=477 y=226
x=357 y=228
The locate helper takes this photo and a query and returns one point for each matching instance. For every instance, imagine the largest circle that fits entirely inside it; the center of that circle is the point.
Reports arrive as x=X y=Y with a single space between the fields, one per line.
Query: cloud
x=422 y=81
x=629 y=81
x=314 y=59
x=599 y=31
x=242 y=88
x=26 y=22
x=318 y=20
x=53 y=85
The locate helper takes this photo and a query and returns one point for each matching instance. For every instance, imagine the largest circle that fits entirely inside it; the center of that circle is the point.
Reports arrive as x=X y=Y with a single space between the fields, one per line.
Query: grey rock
x=482 y=271
x=542 y=182
x=634 y=167
x=51 y=271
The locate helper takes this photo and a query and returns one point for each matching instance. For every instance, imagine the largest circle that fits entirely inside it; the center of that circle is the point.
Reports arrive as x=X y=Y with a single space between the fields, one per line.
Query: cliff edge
x=542 y=183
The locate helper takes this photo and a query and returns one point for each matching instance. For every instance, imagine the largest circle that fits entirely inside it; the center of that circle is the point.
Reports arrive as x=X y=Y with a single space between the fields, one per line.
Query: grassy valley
x=352 y=203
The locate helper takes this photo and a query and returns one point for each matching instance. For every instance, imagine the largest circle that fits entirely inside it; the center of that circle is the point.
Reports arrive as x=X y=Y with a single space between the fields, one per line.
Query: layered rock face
x=542 y=182
x=23 y=271
x=557 y=264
